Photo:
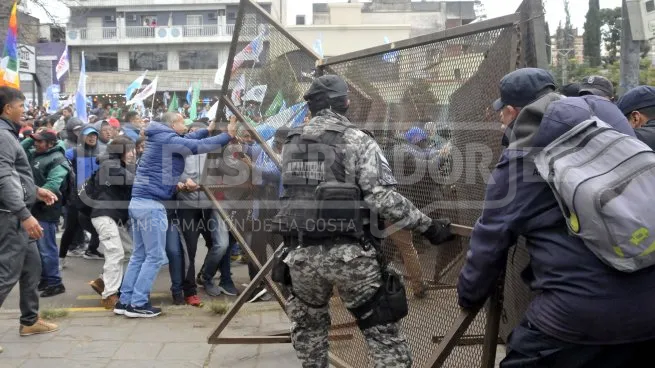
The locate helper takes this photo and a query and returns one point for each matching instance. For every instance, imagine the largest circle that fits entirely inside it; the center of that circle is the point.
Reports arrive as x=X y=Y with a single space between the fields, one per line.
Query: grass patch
x=54 y=313
x=217 y=306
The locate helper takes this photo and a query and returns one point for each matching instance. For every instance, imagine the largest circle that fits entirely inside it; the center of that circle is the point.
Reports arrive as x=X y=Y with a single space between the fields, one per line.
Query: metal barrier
x=443 y=83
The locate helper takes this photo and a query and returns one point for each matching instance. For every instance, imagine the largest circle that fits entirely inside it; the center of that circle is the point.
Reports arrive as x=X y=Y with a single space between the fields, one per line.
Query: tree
x=611 y=24
x=592 y=35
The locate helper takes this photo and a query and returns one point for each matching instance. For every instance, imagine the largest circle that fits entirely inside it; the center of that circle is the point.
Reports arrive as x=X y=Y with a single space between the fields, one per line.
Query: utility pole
x=630 y=55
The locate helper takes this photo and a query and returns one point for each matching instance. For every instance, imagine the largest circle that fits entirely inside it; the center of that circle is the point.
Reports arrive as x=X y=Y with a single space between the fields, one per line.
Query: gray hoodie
x=17 y=189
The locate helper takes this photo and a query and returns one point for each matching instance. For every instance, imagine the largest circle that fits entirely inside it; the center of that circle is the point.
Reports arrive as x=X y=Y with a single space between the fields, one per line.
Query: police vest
x=318 y=201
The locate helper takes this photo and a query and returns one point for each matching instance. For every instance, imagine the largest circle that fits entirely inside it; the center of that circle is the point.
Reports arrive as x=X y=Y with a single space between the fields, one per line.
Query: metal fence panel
x=439 y=87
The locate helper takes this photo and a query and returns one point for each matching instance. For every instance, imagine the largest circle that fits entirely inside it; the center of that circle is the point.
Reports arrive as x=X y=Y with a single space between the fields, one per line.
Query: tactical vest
x=319 y=201
x=41 y=165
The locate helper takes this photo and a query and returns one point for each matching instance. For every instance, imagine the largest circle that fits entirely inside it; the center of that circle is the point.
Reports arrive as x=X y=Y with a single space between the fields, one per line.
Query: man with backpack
x=586 y=312
x=638 y=105
x=50 y=168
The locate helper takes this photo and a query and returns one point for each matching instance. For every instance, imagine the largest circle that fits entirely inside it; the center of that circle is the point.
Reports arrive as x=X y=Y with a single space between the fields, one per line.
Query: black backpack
x=67 y=190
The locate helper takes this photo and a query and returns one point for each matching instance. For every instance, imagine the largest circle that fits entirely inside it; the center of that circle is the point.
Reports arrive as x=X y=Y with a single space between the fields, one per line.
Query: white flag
x=220 y=74
x=63 y=65
x=150 y=90
x=211 y=114
x=256 y=93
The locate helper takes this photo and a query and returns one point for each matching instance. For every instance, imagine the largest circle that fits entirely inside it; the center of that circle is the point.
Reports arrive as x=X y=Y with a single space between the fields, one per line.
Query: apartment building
x=183 y=42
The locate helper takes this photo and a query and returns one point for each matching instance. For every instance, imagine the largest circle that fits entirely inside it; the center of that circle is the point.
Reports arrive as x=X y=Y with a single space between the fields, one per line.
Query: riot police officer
x=336 y=182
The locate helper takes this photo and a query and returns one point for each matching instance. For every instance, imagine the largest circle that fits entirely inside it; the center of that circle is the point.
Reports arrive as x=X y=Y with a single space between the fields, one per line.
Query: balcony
x=147 y=35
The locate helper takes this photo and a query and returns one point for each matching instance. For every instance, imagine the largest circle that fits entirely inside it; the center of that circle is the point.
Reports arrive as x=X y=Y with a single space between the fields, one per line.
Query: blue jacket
x=162 y=162
x=579 y=299
x=85 y=161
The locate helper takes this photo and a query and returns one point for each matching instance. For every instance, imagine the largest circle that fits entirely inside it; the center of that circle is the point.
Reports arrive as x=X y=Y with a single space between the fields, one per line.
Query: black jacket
x=646 y=134
x=114 y=182
x=17 y=189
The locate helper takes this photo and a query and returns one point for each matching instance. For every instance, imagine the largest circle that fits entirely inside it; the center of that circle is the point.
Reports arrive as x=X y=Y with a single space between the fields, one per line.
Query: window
x=198 y=59
x=140 y=61
x=194 y=20
x=101 y=61
x=300 y=20
x=650 y=6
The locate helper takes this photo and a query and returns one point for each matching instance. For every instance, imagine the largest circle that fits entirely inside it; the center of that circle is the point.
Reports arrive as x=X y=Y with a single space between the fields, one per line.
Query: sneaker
x=94 y=255
x=40 y=327
x=193 y=300
x=145 y=311
x=119 y=308
x=98 y=285
x=228 y=288
x=53 y=290
x=267 y=297
x=178 y=299
x=77 y=252
x=236 y=258
x=211 y=289
x=110 y=302
x=1 y=349
x=42 y=286
x=257 y=296
x=62 y=264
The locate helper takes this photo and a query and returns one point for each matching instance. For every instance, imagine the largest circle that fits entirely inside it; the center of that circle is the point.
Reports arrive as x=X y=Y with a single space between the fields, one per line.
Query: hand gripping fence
x=444 y=83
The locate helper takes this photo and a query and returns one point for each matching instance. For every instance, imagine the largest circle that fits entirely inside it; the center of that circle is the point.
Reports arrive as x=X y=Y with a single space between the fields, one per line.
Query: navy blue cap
x=636 y=99
x=522 y=87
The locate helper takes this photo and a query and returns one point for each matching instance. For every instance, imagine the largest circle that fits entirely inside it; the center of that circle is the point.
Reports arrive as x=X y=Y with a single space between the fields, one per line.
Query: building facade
x=182 y=42
x=577 y=53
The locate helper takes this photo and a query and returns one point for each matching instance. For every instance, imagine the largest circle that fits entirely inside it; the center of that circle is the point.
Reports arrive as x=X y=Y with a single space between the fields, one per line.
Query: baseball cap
x=49 y=135
x=522 y=87
x=114 y=122
x=89 y=130
x=330 y=84
x=636 y=99
x=596 y=85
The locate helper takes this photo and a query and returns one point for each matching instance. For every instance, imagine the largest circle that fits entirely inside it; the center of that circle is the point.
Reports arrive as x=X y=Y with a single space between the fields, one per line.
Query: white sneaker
x=257 y=296
x=62 y=264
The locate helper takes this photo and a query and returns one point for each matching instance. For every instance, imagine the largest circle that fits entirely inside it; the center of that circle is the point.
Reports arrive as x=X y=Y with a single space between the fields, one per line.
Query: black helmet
x=331 y=85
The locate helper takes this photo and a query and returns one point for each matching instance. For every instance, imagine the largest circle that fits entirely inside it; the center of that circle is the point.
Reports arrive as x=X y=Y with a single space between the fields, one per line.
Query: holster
x=281 y=273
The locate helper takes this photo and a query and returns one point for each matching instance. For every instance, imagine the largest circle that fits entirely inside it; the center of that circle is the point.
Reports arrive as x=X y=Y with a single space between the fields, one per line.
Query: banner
x=9 y=75
x=256 y=94
x=63 y=65
x=150 y=90
x=80 y=94
x=134 y=86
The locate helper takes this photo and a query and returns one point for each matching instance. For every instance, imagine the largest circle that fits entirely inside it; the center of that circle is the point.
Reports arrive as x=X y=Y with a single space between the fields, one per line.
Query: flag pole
x=152 y=106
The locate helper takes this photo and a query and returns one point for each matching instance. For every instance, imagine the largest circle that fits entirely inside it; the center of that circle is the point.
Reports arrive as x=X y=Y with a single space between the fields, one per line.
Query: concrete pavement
x=176 y=339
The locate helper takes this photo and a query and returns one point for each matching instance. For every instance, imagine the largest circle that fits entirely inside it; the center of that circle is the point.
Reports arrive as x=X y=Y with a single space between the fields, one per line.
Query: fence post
x=492 y=326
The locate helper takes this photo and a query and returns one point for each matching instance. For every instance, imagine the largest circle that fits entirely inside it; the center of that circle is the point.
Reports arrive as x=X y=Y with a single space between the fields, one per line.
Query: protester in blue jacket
x=84 y=160
x=584 y=314
x=156 y=180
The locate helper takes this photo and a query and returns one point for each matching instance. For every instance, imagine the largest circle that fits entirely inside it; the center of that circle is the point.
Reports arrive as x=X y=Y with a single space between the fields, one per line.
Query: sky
x=495 y=8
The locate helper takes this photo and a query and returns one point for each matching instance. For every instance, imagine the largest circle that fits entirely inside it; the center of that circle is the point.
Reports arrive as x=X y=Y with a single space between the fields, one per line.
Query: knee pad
x=388 y=305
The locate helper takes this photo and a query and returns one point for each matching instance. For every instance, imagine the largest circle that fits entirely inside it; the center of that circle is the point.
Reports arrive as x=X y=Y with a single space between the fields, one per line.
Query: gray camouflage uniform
x=315 y=270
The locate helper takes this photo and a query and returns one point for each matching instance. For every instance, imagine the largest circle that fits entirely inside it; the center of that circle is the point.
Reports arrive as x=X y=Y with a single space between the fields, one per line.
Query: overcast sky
x=495 y=8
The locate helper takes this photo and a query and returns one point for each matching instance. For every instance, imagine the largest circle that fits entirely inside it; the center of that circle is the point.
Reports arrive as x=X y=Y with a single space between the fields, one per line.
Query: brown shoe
x=109 y=302
x=40 y=327
x=98 y=285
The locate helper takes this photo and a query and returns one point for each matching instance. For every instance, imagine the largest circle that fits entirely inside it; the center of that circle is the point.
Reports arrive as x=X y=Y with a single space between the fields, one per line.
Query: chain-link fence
x=428 y=102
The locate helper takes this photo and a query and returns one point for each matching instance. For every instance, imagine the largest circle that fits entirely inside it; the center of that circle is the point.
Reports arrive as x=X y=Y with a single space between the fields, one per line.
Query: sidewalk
x=176 y=339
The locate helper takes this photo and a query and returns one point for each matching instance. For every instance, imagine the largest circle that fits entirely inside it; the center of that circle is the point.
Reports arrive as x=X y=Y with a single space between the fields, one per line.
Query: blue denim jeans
x=149 y=224
x=218 y=250
x=175 y=255
x=49 y=254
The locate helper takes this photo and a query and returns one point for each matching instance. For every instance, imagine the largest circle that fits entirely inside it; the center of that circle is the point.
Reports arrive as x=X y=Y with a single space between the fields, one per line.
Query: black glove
x=439 y=232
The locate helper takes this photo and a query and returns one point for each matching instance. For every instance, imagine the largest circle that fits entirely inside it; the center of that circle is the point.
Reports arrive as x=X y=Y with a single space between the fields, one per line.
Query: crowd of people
x=133 y=186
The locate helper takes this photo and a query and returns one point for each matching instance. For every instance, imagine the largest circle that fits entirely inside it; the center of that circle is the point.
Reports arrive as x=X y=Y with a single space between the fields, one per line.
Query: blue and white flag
x=318 y=45
x=134 y=86
x=189 y=94
x=80 y=95
x=391 y=56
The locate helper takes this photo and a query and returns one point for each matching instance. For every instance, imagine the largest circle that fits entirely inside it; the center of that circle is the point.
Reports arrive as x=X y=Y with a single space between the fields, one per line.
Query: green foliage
x=610 y=20
x=592 y=34
x=610 y=71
